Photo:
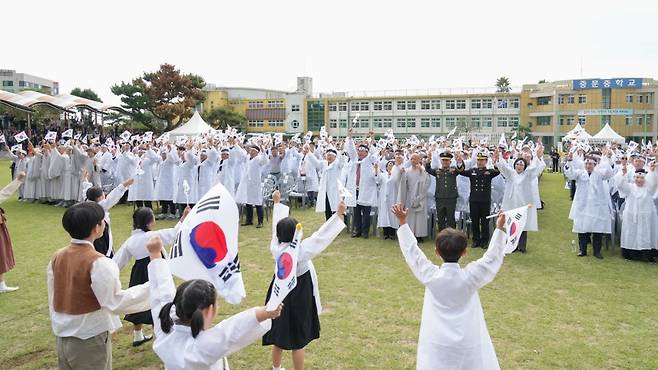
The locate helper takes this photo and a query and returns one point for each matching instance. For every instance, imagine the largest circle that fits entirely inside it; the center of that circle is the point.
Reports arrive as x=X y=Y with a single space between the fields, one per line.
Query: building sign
x=609 y=83
x=605 y=112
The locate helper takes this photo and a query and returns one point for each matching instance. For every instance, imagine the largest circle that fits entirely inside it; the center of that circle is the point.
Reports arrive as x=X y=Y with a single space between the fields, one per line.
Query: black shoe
x=365 y=236
x=598 y=255
x=140 y=342
x=582 y=254
x=356 y=235
x=247 y=224
x=259 y=225
x=523 y=251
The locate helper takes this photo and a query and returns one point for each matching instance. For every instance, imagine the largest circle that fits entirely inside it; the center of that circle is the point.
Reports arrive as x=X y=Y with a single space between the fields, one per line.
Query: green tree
x=502 y=84
x=524 y=131
x=220 y=117
x=166 y=94
x=541 y=82
x=86 y=93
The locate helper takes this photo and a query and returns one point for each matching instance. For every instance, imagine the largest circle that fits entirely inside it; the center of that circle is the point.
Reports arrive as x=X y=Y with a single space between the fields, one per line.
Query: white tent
x=578 y=133
x=608 y=134
x=196 y=126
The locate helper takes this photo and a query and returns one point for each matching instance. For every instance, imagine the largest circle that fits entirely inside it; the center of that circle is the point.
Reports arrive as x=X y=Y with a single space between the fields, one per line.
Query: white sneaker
x=8 y=289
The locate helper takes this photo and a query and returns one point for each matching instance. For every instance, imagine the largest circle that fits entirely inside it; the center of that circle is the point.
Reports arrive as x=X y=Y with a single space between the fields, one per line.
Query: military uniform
x=480 y=202
x=446 y=192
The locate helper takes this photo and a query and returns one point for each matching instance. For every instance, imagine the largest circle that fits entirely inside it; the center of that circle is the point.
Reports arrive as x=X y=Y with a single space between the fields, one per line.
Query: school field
x=546 y=309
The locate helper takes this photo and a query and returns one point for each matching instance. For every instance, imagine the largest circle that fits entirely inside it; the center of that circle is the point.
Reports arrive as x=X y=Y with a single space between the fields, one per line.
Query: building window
x=411 y=105
x=254 y=123
x=388 y=122
x=424 y=105
x=629 y=98
x=411 y=122
x=7 y=83
x=425 y=122
x=544 y=100
x=343 y=123
x=628 y=120
x=461 y=104
x=377 y=105
x=514 y=103
x=295 y=108
x=294 y=124
x=649 y=98
x=571 y=99
x=402 y=105
x=639 y=121
x=333 y=107
x=436 y=104
x=487 y=122
x=377 y=123
x=450 y=104
x=475 y=122
x=544 y=121
x=582 y=99
x=401 y=122
x=363 y=123
x=365 y=106
x=354 y=106
x=436 y=122
x=21 y=83
x=582 y=120
x=275 y=104
x=501 y=121
x=514 y=121
x=476 y=104
x=640 y=98
x=487 y=103
x=450 y=121
x=502 y=103
x=388 y=105
x=255 y=104
x=560 y=99
x=342 y=107
x=275 y=123
x=333 y=123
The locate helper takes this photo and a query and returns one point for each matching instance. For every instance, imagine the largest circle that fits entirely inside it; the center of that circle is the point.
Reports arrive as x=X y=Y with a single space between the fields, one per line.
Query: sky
x=343 y=45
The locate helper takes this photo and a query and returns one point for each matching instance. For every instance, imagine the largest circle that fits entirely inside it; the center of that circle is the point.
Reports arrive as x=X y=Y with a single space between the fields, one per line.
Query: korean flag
x=285 y=270
x=515 y=220
x=68 y=133
x=20 y=137
x=206 y=246
x=51 y=136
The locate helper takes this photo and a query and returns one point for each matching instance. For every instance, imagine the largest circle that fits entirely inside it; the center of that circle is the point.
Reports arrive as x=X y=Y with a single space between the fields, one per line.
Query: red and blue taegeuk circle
x=283 y=265
x=209 y=243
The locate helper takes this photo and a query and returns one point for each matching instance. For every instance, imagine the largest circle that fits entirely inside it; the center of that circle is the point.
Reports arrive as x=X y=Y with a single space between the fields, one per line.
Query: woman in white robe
x=143 y=192
x=330 y=174
x=518 y=188
x=388 y=195
x=165 y=183
x=412 y=194
x=639 y=229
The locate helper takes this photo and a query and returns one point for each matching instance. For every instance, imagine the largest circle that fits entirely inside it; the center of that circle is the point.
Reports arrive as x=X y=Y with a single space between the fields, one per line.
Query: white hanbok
x=328 y=185
x=250 y=189
x=639 y=229
x=591 y=209
x=518 y=188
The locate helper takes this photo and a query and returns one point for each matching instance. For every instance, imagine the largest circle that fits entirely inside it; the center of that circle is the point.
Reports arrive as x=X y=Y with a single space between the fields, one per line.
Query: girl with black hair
x=299 y=323
x=187 y=339
x=135 y=246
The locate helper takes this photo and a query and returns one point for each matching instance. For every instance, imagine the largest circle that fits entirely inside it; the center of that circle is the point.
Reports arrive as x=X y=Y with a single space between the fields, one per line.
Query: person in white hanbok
x=362 y=184
x=639 y=229
x=453 y=332
x=143 y=193
x=187 y=173
x=518 y=188
x=591 y=206
x=188 y=339
x=226 y=171
x=308 y=173
x=412 y=194
x=250 y=189
x=207 y=170
x=328 y=194
x=165 y=183
x=388 y=195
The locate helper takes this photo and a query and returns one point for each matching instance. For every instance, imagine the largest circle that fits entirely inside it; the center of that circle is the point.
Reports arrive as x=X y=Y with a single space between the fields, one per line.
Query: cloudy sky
x=344 y=45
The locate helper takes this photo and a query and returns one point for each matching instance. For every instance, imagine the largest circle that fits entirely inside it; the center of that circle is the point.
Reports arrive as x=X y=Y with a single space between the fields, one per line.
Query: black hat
x=482 y=156
x=445 y=155
x=254 y=147
x=641 y=170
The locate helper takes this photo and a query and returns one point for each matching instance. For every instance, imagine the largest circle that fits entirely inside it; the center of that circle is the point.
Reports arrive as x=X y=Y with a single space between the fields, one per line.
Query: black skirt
x=299 y=323
x=139 y=275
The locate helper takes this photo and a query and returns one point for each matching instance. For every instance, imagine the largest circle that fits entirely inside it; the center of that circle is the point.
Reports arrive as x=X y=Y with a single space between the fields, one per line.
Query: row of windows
x=639 y=98
x=568 y=99
x=448 y=104
x=428 y=122
x=260 y=123
x=639 y=120
x=270 y=104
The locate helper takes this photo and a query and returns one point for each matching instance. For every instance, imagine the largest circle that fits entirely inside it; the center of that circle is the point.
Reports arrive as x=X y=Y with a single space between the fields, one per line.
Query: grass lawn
x=547 y=309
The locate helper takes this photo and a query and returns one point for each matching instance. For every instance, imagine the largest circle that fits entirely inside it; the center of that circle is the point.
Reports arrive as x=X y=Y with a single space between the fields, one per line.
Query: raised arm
x=424 y=270
x=484 y=270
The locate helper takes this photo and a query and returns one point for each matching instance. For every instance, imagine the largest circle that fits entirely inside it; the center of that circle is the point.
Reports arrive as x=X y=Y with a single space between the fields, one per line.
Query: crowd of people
x=396 y=184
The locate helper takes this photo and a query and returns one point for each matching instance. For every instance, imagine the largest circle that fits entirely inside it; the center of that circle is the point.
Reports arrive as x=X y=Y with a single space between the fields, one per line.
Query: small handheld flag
x=51 y=136
x=68 y=133
x=515 y=220
x=285 y=270
x=2 y=138
x=20 y=137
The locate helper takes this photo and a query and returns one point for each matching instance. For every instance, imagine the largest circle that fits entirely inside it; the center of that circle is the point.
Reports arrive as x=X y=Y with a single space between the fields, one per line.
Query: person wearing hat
x=328 y=194
x=446 y=188
x=639 y=229
x=480 y=199
x=590 y=209
x=361 y=183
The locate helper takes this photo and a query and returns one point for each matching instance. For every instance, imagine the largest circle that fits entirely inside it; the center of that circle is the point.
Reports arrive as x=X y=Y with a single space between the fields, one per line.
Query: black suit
x=480 y=203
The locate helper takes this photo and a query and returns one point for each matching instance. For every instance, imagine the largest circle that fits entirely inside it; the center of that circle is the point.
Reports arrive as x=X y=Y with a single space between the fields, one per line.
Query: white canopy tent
x=196 y=126
x=607 y=134
x=578 y=133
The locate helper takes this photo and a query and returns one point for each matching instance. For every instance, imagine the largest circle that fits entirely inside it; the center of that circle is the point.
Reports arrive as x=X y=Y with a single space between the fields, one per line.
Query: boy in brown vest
x=85 y=295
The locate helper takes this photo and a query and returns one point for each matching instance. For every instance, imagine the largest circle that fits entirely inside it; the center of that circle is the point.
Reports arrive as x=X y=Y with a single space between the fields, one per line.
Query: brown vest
x=72 y=293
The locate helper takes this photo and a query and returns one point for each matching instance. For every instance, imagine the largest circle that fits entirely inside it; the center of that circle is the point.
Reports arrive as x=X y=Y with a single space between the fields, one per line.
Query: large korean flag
x=515 y=224
x=285 y=271
x=206 y=246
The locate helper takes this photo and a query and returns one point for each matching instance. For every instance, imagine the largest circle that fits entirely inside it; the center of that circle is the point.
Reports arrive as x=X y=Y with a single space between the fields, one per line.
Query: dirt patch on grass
x=25 y=358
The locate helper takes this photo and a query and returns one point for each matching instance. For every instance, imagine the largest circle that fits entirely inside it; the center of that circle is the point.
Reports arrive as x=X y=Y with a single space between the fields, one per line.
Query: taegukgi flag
x=285 y=270
x=20 y=137
x=68 y=133
x=206 y=246
x=515 y=220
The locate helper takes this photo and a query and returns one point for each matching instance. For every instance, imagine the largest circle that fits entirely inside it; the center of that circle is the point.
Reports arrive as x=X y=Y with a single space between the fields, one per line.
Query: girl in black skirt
x=135 y=246
x=298 y=324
